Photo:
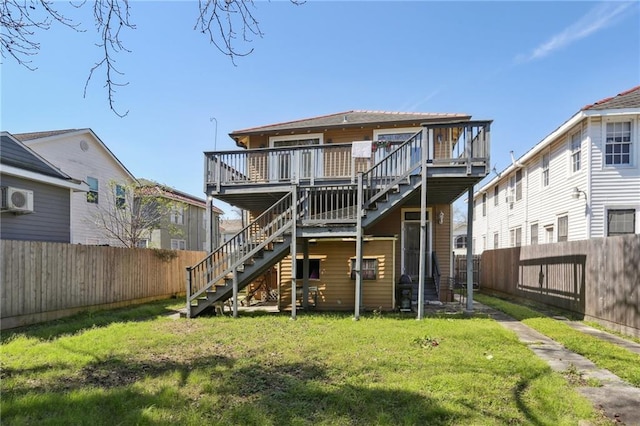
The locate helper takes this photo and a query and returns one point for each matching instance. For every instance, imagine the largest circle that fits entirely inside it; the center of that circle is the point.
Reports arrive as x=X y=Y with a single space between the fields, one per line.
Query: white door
x=411 y=243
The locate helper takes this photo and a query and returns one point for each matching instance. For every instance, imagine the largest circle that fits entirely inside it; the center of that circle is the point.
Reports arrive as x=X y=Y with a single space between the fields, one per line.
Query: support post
x=358 y=270
x=423 y=225
x=188 y=292
x=235 y=292
x=305 y=273
x=293 y=250
x=470 y=250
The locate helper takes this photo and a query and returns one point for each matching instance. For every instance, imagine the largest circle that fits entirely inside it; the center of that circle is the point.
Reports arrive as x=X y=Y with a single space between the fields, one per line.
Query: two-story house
x=581 y=181
x=81 y=154
x=37 y=197
x=345 y=207
x=186 y=225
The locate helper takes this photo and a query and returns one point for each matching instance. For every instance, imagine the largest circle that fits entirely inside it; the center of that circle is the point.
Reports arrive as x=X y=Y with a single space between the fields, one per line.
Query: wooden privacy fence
x=599 y=278
x=44 y=281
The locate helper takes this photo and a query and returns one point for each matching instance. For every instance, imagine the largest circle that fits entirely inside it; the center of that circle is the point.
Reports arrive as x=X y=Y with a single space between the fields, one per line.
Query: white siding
x=65 y=152
x=613 y=186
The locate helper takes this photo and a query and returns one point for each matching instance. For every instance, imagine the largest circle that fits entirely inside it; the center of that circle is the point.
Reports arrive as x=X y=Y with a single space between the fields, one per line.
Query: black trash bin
x=404 y=293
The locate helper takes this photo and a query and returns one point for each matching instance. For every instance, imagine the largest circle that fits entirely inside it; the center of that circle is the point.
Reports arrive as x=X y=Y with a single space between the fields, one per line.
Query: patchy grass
x=621 y=362
x=127 y=368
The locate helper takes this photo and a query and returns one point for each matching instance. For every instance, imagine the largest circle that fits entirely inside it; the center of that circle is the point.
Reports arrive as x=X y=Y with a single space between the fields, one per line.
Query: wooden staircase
x=242 y=259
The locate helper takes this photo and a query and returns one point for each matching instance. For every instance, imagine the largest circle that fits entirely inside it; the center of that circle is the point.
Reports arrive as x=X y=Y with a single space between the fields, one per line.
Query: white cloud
x=599 y=17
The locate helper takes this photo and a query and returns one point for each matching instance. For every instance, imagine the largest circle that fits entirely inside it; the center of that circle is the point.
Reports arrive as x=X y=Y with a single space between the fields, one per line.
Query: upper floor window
x=484 y=204
x=618 y=143
x=621 y=221
x=461 y=241
x=534 y=234
x=545 y=169
x=177 y=215
x=496 y=240
x=120 y=193
x=496 y=191
x=518 y=184
x=92 y=195
x=576 y=152
x=563 y=228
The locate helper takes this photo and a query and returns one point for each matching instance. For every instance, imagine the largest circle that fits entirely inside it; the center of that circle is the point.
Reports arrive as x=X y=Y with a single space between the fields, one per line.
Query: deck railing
x=252 y=238
x=462 y=143
x=328 y=203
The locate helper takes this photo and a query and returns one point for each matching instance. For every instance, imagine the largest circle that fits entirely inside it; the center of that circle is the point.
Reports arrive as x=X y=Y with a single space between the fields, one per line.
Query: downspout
x=589 y=199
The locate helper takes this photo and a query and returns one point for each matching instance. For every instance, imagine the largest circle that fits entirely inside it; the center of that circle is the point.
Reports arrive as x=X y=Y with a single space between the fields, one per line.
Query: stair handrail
x=392 y=169
x=263 y=230
x=436 y=274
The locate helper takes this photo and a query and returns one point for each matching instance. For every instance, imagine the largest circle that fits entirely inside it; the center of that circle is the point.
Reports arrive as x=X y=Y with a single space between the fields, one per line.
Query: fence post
x=188 y=292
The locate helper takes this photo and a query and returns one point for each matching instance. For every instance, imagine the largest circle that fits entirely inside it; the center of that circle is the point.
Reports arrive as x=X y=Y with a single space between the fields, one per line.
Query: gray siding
x=51 y=219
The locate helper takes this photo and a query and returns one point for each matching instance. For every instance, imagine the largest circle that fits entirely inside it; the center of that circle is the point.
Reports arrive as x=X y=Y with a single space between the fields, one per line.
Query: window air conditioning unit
x=17 y=200
x=510 y=199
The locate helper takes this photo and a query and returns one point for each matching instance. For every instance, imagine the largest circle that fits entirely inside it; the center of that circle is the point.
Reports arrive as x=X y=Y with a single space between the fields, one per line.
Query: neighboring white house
x=459 y=236
x=80 y=153
x=581 y=181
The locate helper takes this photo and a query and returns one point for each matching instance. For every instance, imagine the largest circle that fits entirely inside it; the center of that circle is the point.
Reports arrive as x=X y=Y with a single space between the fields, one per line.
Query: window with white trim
x=518 y=185
x=576 y=152
x=534 y=234
x=563 y=228
x=461 y=241
x=618 y=143
x=143 y=243
x=369 y=268
x=496 y=193
x=484 y=204
x=545 y=169
x=621 y=221
x=92 y=194
x=120 y=194
x=496 y=240
x=515 y=237
x=177 y=215
x=178 y=244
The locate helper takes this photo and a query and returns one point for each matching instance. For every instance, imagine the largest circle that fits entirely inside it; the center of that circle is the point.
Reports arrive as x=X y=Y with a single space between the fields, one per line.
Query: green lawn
x=139 y=366
x=621 y=362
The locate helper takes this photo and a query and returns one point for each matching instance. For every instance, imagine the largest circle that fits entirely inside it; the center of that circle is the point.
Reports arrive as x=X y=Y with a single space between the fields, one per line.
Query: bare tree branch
x=227 y=23
x=111 y=16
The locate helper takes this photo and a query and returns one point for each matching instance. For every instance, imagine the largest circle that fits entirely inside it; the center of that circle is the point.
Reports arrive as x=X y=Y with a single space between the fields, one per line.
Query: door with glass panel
x=283 y=164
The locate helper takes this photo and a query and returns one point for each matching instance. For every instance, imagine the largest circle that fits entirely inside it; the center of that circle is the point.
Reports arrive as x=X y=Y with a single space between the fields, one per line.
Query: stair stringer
x=251 y=270
x=393 y=199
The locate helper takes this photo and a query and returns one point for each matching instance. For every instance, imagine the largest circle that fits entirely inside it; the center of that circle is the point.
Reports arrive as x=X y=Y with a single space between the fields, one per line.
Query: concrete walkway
x=618 y=400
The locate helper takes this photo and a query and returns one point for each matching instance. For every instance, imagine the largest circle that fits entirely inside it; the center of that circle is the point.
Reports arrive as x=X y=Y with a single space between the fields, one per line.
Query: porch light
x=576 y=193
x=441 y=217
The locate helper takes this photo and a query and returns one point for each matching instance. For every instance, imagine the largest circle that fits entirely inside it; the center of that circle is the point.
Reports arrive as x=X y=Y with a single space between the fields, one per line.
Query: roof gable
x=63 y=136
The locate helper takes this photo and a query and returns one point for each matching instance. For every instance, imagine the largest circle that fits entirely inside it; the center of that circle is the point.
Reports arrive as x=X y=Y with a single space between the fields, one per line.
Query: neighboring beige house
x=81 y=154
x=336 y=207
x=580 y=182
x=185 y=228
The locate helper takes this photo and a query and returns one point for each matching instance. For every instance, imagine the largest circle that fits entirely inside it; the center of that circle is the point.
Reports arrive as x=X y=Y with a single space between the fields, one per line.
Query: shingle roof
x=176 y=194
x=38 y=135
x=627 y=99
x=353 y=118
x=14 y=153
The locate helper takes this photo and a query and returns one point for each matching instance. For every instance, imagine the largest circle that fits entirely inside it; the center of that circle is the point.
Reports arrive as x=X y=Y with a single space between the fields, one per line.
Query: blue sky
x=529 y=66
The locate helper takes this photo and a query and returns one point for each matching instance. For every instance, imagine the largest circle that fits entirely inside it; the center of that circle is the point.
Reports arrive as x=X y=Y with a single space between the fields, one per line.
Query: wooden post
x=423 y=224
x=305 y=273
x=293 y=250
x=188 y=292
x=235 y=292
x=358 y=271
x=470 y=249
